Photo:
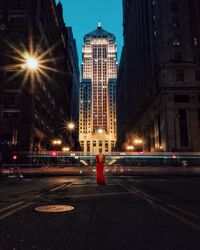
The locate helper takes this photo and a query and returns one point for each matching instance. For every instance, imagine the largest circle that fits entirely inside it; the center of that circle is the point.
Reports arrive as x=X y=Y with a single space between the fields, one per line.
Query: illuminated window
x=176 y=41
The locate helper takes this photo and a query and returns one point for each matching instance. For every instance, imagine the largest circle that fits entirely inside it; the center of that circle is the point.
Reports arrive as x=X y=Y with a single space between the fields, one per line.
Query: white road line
x=166 y=210
x=15 y=210
x=185 y=212
x=66 y=186
x=11 y=206
x=179 y=217
x=58 y=187
x=96 y=195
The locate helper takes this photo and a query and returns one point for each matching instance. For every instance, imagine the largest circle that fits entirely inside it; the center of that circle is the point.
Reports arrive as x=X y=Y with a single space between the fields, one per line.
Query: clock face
x=100 y=130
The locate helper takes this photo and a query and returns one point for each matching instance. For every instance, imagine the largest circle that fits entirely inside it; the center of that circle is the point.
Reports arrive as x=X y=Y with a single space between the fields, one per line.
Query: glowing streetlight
x=71 y=126
x=31 y=63
x=57 y=142
x=130 y=147
x=66 y=149
x=138 y=144
x=138 y=141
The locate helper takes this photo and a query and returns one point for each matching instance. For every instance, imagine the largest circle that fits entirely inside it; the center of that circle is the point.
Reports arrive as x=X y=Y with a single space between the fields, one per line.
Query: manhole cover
x=54 y=208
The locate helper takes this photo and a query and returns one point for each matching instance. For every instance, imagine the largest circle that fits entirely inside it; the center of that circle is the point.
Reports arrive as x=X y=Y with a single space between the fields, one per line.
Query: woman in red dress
x=100 y=159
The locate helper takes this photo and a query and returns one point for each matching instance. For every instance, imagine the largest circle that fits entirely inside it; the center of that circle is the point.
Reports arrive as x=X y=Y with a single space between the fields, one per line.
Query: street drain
x=54 y=208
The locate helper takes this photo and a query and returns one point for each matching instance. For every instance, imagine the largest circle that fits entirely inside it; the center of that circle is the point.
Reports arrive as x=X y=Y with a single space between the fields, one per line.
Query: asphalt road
x=127 y=213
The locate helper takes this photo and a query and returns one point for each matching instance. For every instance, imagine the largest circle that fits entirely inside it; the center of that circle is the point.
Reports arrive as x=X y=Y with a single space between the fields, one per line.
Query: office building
x=34 y=95
x=97 y=123
x=162 y=76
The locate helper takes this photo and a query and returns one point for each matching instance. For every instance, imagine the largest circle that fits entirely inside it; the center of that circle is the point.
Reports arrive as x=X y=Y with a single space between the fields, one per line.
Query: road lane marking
x=179 y=217
x=17 y=204
x=11 y=206
x=15 y=210
x=58 y=187
x=185 y=211
x=88 y=185
x=66 y=186
x=161 y=207
x=97 y=195
x=138 y=193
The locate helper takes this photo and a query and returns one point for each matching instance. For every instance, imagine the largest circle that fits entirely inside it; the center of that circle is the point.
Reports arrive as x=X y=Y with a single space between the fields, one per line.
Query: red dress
x=100 y=159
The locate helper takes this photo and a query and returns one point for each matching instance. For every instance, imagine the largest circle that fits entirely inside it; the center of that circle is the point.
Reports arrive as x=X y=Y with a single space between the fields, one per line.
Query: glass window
x=176 y=41
x=112 y=145
x=11 y=98
x=179 y=75
x=181 y=98
x=197 y=75
x=88 y=146
x=100 y=144
x=177 y=56
x=174 y=6
x=17 y=5
x=183 y=128
x=1 y=5
x=14 y=114
x=175 y=23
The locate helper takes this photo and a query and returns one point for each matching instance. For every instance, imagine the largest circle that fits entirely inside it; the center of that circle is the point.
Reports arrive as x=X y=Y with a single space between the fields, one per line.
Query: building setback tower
x=97 y=124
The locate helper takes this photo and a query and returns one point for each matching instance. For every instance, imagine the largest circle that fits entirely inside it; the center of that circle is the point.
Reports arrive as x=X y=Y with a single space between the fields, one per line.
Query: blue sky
x=83 y=16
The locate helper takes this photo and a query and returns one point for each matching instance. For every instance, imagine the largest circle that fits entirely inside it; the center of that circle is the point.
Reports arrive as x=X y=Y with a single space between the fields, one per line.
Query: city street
x=126 y=213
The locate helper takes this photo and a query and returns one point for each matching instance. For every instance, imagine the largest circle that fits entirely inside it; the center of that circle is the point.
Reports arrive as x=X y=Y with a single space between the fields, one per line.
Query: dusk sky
x=83 y=16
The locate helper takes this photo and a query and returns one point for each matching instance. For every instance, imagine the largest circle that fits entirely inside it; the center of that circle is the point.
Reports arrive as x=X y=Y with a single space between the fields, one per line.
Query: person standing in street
x=100 y=159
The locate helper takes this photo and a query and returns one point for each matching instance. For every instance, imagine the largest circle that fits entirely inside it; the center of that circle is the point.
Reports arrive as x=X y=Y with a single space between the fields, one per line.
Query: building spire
x=99 y=24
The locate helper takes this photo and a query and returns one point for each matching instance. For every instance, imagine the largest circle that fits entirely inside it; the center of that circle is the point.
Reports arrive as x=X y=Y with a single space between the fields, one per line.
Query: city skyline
x=109 y=13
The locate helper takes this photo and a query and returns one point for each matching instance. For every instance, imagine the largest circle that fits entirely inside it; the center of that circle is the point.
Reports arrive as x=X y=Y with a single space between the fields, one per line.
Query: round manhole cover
x=54 y=208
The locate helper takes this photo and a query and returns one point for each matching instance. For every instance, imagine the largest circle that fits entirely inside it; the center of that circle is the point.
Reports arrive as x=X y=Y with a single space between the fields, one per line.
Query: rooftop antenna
x=99 y=24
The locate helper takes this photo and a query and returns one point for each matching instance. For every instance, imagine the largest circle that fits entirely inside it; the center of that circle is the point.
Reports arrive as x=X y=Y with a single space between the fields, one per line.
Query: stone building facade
x=162 y=61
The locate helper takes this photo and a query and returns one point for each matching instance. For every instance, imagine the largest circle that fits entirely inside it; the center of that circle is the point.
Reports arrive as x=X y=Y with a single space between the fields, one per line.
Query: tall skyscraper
x=160 y=65
x=97 y=123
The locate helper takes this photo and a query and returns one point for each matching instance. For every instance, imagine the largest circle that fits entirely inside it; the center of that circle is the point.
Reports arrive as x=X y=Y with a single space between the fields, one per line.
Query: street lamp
x=130 y=147
x=71 y=126
x=138 y=142
x=66 y=149
x=31 y=63
x=57 y=142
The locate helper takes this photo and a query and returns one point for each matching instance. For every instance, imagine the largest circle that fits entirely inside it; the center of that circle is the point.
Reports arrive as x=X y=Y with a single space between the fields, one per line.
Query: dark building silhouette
x=75 y=84
x=34 y=105
x=121 y=98
x=162 y=74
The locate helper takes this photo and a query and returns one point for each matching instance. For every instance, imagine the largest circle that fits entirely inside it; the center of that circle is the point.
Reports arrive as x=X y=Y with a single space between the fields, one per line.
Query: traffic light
x=14 y=157
x=54 y=153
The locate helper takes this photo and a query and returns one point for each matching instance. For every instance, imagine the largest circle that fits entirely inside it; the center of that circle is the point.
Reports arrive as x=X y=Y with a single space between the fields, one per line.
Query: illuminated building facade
x=97 y=114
